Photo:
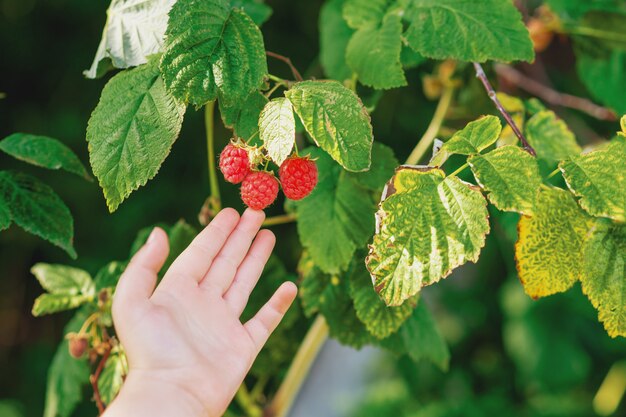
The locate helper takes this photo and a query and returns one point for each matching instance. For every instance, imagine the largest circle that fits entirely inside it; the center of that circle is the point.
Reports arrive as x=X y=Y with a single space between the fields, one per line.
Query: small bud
x=78 y=345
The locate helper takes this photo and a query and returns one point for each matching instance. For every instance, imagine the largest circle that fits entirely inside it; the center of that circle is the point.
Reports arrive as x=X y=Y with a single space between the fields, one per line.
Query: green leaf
x=473 y=138
x=468 y=31
x=383 y=166
x=243 y=117
x=510 y=176
x=604 y=75
x=66 y=375
x=36 y=208
x=427 y=225
x=258 y=11
x=598 y=179
x=550 y=137
x=44 y=152
x=226 y=57
x=112 y=376
x=379 y=319
x=313 y=284
x=548 y=250
x=337 y=204
x=63 y=279
x=373 y=53
x=334 y=36
x=604 y=276
x=422 y=339
x=133 y=31
x=131 y=131
x=361 y=13
x=277 y=129
x=577 y=8
x=109 y=275
x=68 y=288
x=336 y=120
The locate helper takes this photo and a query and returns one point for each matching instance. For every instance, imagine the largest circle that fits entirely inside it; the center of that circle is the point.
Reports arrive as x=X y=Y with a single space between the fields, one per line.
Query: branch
x=480 y=74
x=551 y=96
x=94 y=380
x=294 y=71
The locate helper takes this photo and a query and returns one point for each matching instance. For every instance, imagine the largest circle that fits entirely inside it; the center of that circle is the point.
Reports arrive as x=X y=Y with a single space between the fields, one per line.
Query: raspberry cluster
x=259 y=188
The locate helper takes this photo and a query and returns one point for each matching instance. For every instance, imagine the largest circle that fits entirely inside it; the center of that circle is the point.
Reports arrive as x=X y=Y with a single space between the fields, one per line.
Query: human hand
x=187 y=350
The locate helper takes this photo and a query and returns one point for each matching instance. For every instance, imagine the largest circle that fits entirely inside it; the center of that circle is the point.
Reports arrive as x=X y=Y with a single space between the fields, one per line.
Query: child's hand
x=187 y=350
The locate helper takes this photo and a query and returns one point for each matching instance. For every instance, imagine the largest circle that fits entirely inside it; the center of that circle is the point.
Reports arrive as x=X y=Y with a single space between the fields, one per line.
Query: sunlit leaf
x=550 y=137
x=473 y=138
x=277 y=129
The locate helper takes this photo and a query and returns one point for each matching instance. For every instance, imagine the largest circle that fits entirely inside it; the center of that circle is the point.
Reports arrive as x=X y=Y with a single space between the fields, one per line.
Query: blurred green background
x=510 y=356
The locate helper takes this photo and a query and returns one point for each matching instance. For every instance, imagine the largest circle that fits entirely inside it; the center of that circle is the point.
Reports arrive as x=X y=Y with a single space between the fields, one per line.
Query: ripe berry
x=77 y=345
x=259 y=189
x=234 y=163
x=298 y=176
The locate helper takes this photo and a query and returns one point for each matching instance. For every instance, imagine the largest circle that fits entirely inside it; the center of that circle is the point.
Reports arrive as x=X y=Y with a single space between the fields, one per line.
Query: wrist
x=151 y=395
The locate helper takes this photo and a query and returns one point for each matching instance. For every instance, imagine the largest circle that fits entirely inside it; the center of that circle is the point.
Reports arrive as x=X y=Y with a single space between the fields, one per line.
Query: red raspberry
x=259 y=189
x=234 y=163
x=298 y=176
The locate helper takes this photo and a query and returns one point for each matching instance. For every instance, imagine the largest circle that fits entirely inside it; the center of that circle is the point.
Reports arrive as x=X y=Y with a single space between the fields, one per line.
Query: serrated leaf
x=277 y=129
x=604 y=75
x=379 y=319
x=131 y=131
x=133 y=31
x=517 y=110
x=373 y=53
x=337 y=121
x=510 y=176
x=337 y=204
x=473 y=138
x=44 y=152
x=427 y=225
x=112 y=376
x=550 y=137
x=422 y=339
x=36 y=208
x=604 y=277
x=468 y=31
x=63 y=279
x=226 y=57
x=598 y=179
x=361 y=13
x=54 y=303
x=548 y=250
x=312 y=285
x=334 y=36
x=258 y=11
x=383 y=166
x=243 y=117
x=66 y=375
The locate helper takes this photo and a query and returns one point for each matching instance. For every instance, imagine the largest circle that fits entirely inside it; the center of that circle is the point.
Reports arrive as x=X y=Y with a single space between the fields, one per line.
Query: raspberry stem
x=210 y=141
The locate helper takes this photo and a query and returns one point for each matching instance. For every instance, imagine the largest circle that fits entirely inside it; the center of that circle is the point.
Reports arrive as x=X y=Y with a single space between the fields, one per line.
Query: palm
x=188 y=331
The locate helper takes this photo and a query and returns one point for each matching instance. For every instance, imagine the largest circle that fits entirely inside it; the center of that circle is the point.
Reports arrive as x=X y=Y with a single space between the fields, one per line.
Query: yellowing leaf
x=550 y=137
x=511 y=177
x=604 y=277
x=277 y=129
x=548 y=251
x=427 y=225
x=473 y=138
x=599 y=179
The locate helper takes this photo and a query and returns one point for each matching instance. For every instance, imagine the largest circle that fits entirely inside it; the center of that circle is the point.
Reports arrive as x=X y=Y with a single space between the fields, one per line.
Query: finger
x=195 y=261
x=261 y=326
x=137 y=283
x=225 y=264
x=249 y=271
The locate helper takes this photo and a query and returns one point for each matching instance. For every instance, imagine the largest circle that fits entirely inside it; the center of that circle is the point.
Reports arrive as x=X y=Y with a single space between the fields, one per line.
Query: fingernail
x=152 y=236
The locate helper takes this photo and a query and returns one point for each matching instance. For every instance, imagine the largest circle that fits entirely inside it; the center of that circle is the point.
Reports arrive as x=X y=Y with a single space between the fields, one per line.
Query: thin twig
x=94 y=380
x=286 y=60
x=553 y=97
x=282 y=219
x=480 y=74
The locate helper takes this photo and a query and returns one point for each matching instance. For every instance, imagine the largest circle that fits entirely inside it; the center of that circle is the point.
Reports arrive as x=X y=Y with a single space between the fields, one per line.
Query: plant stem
x=279 y=80
x=246 y=402
x=433 y=128
x=553 y=173
x=480 y=74
x=94 y=380
x=289 y=388
x=461 y=168
x=286 y=60
x=210 y=142
x=282 y=219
